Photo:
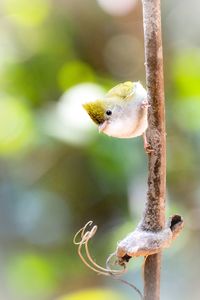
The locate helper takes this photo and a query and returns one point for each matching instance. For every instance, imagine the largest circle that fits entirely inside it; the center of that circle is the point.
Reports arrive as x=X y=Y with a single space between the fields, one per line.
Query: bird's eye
x=109 y=112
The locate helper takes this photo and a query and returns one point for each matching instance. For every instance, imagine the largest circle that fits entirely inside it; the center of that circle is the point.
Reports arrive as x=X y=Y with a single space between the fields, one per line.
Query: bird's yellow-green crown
x=96 y=111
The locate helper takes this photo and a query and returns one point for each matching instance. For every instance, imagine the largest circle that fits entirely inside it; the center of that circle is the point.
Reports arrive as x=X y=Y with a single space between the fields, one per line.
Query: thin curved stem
x=91 y=264
x=82 y=231
x=114 y=272
x=87 y=264
x=85 y=237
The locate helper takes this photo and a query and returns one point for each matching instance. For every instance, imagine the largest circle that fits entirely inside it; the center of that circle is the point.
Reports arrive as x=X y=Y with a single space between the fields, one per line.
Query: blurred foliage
x=57 y=172
x=38 y=283
x=73 y=72
x=186 y=73
x=17 y=129
x=27 y=13
x=93 y=294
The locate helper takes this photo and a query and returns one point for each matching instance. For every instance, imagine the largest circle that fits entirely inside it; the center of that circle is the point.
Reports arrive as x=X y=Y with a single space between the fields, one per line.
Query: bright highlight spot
x=68 y=120
x=117 y=7
x=186 y=73
x=97 y=294
x=26 y=12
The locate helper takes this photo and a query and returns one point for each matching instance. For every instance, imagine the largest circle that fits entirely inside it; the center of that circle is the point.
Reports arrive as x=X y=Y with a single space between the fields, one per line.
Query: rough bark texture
x=154 y=215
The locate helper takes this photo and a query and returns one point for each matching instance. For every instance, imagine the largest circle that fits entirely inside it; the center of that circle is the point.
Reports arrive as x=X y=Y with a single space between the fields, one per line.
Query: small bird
x=122 y=113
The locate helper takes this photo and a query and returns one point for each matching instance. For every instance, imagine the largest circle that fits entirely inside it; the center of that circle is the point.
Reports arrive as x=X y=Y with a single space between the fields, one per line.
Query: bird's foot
x=145 y=104
x=148 y=149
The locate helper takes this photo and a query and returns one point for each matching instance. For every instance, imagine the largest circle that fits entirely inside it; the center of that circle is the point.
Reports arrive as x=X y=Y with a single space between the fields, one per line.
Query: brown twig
x=154 y=216
x=152 y=234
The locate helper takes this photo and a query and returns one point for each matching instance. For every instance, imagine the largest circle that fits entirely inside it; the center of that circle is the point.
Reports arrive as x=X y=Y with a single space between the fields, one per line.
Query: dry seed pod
x=144 y=243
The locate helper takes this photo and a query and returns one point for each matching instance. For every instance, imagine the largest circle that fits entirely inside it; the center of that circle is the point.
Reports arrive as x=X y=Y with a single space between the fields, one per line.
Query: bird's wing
x=122 y=90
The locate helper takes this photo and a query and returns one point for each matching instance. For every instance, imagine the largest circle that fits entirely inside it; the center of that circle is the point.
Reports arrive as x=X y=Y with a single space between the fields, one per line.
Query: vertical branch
x=154 y=215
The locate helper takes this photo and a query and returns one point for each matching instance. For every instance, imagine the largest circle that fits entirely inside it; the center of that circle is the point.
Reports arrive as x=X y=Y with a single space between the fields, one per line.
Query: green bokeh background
x=57 y=172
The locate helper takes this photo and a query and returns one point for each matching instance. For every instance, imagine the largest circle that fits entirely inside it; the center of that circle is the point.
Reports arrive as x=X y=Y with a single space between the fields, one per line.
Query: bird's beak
x=102 y=126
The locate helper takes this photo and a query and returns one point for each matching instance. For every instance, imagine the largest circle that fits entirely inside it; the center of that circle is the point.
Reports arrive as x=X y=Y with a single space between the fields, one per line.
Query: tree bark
x=154 y=215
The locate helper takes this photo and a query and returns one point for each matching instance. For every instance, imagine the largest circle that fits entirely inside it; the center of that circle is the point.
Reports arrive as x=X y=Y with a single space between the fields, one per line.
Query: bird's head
x=102 y=112
x=115 y=113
